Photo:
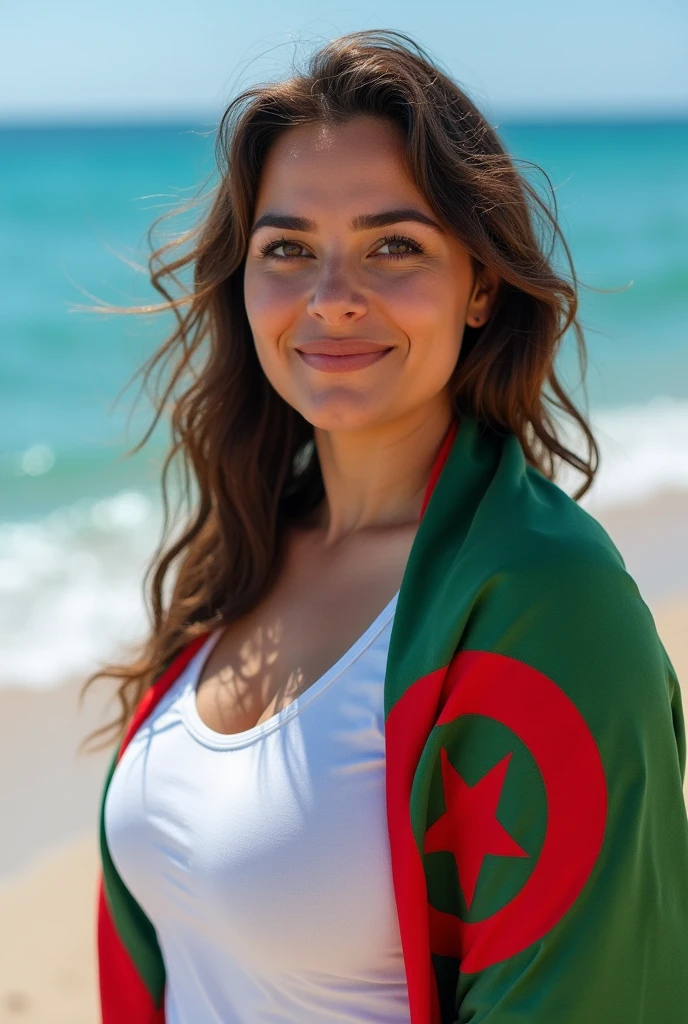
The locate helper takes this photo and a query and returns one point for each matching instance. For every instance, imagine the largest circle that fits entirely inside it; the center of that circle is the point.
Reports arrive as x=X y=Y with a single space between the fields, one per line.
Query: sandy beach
x=49 y=796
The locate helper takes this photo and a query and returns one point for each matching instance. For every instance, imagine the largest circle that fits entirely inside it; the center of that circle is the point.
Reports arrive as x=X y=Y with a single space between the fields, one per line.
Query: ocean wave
x=643 y=451
x=71 y=588
x=71 y=584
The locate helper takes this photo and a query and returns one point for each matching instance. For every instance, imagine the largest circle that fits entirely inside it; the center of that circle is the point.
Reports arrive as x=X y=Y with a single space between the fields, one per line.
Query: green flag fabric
x=536 y=752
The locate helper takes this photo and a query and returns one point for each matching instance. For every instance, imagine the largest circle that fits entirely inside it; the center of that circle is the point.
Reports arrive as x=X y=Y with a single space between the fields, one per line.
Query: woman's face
x=322 y=266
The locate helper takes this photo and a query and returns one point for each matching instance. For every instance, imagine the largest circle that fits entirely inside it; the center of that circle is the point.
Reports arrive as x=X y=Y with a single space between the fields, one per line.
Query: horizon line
x=205 y=119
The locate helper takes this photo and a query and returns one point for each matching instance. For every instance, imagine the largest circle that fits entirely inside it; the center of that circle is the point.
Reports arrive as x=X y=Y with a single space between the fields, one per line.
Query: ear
x=483 y=297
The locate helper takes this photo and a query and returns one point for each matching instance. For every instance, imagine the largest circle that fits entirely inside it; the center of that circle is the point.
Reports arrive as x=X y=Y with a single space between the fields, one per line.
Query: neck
x=376 y=479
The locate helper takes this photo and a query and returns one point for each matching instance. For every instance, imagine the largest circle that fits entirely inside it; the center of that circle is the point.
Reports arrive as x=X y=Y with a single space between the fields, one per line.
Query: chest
x=271 y=846
x=315 y=613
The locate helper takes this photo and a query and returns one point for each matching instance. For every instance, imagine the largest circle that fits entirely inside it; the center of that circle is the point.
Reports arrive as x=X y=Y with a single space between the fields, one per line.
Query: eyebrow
x=362 y=222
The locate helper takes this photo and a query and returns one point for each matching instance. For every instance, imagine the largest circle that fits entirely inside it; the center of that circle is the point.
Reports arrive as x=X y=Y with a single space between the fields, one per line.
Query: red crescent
x=556 y=734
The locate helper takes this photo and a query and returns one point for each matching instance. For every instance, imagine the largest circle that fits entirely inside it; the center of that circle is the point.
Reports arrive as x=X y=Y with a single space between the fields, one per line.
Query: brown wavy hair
x=247 y=455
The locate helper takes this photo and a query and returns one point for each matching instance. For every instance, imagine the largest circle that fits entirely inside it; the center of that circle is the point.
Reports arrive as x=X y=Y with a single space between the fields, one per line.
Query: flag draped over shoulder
x=535 y=756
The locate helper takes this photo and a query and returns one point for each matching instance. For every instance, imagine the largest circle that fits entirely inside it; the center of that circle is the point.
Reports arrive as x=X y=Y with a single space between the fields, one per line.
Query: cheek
x=428 y=309
x=270 y=310
x=270 y=304
x=423 y=301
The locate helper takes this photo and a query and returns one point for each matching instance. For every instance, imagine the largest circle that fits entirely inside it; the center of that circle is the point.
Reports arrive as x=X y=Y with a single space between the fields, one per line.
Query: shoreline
x=652 y=537
x=41 y=731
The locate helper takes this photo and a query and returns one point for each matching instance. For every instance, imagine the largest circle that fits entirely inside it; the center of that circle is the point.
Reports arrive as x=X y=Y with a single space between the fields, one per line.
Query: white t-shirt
x=262 y=857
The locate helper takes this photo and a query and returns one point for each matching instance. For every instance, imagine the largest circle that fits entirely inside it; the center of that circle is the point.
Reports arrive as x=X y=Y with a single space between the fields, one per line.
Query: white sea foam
x=644 y=450
x=71 y=588
x=71 y=584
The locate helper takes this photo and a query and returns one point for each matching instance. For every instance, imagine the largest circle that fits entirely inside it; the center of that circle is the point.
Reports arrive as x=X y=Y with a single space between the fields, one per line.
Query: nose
x=336 y=297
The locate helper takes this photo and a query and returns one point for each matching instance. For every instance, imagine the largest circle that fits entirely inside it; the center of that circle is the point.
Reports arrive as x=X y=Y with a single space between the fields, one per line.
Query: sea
x=79 y=520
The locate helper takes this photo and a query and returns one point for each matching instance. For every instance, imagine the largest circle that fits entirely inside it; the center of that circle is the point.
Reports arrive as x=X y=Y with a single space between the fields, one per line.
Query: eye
x=269 y=249
x=399 y=241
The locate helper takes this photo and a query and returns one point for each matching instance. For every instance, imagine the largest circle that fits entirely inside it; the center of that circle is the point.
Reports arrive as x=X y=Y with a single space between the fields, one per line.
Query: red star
x=469 y=828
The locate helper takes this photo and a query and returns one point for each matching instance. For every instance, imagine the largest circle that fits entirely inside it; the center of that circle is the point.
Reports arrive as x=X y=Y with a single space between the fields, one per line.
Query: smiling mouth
x=338 y=363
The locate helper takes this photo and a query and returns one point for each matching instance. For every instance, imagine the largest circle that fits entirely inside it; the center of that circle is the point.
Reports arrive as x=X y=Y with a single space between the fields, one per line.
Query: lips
x=336 y=355
x=341 y=347
x=343 y=363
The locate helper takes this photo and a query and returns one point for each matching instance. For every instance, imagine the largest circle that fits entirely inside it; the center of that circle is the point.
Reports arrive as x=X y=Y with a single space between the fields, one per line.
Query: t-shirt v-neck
x=227 y=741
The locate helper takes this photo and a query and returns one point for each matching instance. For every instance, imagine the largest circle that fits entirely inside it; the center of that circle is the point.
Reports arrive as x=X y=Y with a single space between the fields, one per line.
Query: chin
x=342 y=412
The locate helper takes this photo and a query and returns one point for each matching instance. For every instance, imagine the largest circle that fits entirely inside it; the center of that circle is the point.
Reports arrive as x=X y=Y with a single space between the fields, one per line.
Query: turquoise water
x=72 y=198
x=73 y=513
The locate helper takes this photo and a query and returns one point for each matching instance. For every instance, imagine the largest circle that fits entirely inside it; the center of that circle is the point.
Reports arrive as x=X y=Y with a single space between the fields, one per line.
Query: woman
x=403 y=744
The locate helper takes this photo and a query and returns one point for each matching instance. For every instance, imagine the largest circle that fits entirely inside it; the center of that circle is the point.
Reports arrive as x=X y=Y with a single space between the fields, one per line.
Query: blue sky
x=79 y=59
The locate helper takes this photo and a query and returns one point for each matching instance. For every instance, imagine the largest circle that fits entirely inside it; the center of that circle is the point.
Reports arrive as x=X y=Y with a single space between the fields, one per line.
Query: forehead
x=337 y=166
